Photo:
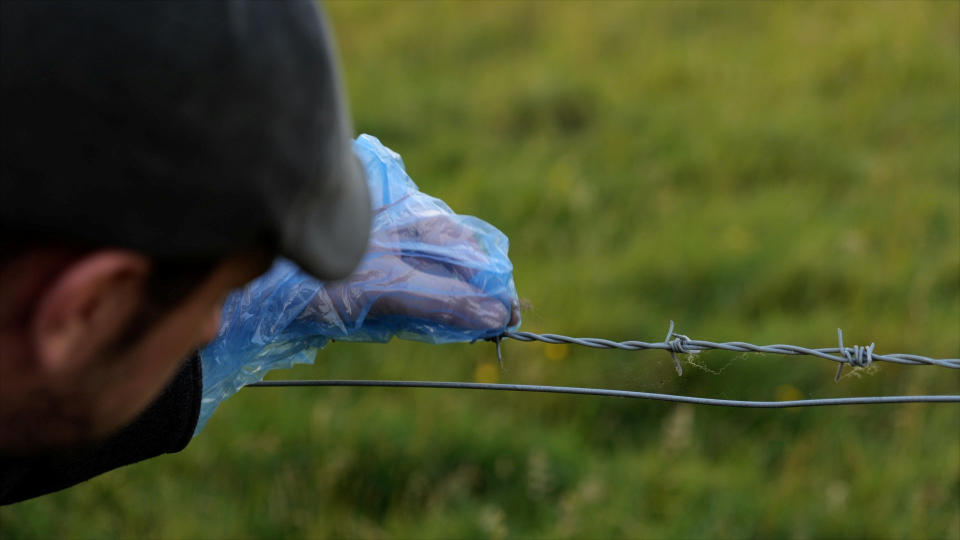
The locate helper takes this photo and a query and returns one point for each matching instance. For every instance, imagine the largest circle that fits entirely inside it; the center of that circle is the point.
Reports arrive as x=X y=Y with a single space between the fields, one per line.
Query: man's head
x=153 y=157
x=89 y=338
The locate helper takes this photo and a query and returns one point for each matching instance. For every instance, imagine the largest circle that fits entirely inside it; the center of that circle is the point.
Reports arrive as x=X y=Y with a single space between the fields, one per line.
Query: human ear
x=86 y=307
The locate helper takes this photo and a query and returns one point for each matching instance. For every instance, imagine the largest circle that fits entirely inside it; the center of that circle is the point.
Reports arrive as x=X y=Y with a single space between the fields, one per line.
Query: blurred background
x=758 y=172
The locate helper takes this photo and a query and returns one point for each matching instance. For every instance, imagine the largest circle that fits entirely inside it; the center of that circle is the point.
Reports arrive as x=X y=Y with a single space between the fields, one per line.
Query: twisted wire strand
x=856 y=356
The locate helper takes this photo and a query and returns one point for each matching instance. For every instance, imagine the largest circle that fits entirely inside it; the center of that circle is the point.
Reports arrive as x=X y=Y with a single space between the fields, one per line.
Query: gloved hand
x=414 y=294
x=428 y=275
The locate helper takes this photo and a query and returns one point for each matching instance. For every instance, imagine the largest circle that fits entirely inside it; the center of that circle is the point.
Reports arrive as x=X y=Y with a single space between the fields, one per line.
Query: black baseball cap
x=180 y=130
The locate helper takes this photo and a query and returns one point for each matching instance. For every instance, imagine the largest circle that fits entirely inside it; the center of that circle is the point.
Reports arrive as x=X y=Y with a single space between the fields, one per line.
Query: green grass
x=752 y=171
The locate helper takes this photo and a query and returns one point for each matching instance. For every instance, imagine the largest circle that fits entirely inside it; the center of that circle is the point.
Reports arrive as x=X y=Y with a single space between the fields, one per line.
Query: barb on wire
x=855 y=356
x=677 y=346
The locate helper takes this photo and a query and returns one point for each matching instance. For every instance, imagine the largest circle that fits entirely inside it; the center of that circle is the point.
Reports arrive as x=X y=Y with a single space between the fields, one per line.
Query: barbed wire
x=856 y=356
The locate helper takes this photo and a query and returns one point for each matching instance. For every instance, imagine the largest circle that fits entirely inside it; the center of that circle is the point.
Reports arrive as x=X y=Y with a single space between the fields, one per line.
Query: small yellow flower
x=556 y=352
x=787 y=392
x=486 y=372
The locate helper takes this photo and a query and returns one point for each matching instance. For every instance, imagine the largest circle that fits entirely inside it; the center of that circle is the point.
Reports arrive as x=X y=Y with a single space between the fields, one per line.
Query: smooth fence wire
x=855 y=356
x=860 y=400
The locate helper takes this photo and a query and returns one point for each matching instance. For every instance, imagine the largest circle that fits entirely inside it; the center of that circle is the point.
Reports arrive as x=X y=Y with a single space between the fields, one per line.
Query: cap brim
x=327 y=233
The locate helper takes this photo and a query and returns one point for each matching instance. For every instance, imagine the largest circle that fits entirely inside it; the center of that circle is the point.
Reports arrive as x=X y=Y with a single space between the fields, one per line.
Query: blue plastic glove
x=428 y=275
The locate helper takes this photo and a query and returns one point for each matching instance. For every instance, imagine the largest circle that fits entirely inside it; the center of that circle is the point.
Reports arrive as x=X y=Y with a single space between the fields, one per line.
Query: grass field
x=752 y=171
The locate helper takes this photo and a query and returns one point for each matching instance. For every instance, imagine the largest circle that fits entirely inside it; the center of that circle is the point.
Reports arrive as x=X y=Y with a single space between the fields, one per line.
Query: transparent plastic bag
x=428 y=275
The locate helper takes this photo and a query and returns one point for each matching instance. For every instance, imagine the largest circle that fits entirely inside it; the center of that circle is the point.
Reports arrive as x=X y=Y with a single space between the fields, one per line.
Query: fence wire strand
x=821 y=402
x=855 y=356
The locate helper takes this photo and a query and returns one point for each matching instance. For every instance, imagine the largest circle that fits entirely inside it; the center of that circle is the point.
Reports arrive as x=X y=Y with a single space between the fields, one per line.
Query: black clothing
x=164 y=428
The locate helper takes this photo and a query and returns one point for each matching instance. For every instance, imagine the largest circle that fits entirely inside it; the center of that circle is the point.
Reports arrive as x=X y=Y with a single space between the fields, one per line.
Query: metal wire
x=860 y=400
x=855 y=356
